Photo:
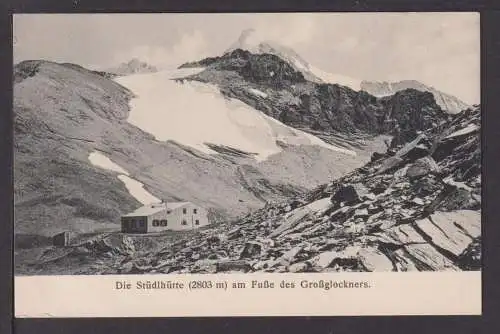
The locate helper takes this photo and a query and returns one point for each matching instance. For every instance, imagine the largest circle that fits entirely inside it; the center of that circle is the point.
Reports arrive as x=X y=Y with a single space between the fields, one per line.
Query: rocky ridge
x=447 y=102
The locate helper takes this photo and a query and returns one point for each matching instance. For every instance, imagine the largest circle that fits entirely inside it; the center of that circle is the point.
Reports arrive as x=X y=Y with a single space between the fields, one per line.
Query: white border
x=405 y=293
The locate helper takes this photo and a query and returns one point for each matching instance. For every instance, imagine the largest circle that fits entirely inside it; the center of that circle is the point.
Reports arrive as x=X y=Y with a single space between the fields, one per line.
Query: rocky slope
x=447 y=102
x=414 y=208
x=63 y=113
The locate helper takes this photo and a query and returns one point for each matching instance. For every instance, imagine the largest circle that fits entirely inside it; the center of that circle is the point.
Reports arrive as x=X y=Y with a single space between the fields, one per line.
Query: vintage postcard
x=247 y=164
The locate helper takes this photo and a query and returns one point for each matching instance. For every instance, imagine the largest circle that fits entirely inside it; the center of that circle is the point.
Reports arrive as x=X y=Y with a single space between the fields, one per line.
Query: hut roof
x=150 y=209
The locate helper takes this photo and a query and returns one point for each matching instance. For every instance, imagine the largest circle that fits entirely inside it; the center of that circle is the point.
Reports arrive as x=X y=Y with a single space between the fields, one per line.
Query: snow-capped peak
x=254 y=42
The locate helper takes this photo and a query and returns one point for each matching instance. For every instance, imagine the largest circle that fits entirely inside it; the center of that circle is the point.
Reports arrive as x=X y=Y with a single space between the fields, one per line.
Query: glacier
x=195 y=114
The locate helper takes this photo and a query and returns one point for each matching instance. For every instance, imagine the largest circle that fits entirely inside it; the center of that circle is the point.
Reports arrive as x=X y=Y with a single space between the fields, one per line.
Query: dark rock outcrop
x=447 y=102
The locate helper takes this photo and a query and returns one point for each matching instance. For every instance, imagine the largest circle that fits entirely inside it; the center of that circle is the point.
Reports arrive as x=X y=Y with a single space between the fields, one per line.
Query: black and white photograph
x=183 y=143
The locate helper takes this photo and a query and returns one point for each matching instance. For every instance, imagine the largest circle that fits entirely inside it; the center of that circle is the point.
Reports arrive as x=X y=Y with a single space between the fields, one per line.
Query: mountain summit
x=251 y=41
x=133 y=66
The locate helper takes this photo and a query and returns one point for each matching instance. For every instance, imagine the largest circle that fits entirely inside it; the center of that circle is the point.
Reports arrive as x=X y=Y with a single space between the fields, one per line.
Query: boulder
x=347 y=256
x=369 y=197
x=373 y=209
x=291 y=219
x=234 y=233
x=115 y=244
x=451 y=231
x=470 y=259
x=418 y=201
x=349 y=194
x=127 y=268
x=265 y=264
x=374 y=260
x=324 y=259
x=418 y=152
x=422 y=167
x=425 y=186
x=361 y=213
x=207 y=266
x=415 y=149
x=233 y=265
x=213 y=240
x=251 y=249
x=376 y=156
x=290 y=255
x=458 y=199
x=390 y=164
x=299 y=267
x=341 y=214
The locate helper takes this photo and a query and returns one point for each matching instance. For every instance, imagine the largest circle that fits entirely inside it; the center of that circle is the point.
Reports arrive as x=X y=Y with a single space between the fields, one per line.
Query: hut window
x=184 y=211
x=156 y=222
x=184 y=222
x=169 y=211
x=163 y=222
x=195 y=211
x=197 y=222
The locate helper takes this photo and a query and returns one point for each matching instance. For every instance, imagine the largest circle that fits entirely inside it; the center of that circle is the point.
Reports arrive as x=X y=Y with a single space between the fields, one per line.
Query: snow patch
x=292 y=136
x=449 y=180
x=336 y=78
x=100 y=160
x=134 y=187
x=257 y=92
x=468 y=129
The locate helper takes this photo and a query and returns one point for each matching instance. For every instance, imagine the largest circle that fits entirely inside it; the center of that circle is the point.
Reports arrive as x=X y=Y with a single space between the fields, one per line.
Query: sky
x=439 y=49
